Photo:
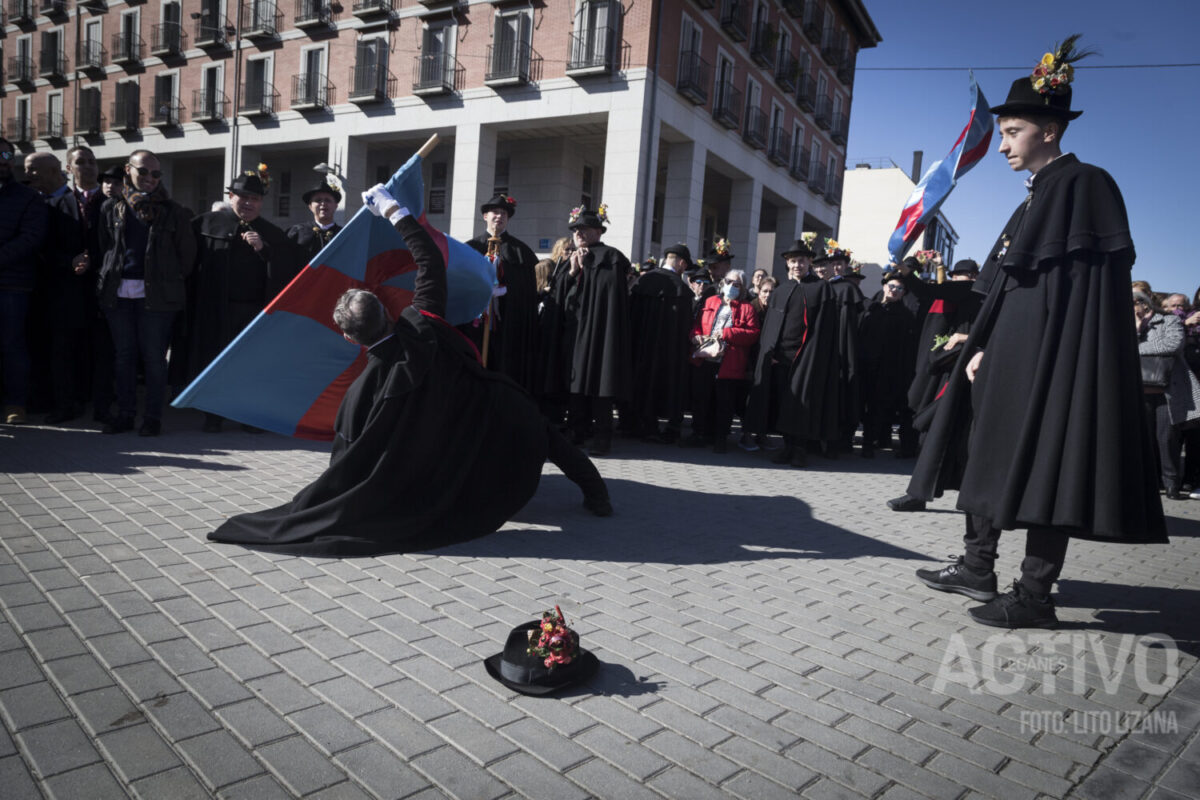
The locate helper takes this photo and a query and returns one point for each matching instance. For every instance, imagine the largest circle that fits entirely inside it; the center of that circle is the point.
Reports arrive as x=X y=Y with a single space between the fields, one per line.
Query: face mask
x=732 y=292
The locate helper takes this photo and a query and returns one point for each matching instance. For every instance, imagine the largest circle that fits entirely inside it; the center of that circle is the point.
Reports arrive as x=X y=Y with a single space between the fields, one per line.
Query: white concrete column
x=623 y=188
x=350 y=153
x=474 y=172
x=745 y=206
x=682 y=206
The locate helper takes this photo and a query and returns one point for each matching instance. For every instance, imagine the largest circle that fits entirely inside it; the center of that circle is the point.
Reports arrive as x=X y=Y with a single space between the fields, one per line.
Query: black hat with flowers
x=832 y=251
x=328 y=184
x=542 y=657
x=252 y=181
x=1048 y=89
x=721 y=251
x=501 y=201
x=802 y=247
x=584 y=217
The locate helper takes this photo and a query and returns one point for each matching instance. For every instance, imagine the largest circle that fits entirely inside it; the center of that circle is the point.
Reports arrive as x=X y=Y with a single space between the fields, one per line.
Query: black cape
x=660 y=309
x=513 y=344
x=431 y=448
x=308 y=239
x=950 y=308
x=598 y=301
x=849 y=301
x=887 y=342
x=1058 y=439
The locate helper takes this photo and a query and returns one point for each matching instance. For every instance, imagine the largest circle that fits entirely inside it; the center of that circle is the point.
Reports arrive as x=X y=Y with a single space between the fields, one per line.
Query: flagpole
x=427 y=148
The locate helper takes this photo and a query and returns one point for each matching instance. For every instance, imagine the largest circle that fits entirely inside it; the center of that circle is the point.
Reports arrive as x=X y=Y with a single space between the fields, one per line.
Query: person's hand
x=904 y=269
x=80 y=263
x=577 y=260
x=973 y=366
x=379 y=201
x=954 y=341
x=1194 y=319
x=253 y=239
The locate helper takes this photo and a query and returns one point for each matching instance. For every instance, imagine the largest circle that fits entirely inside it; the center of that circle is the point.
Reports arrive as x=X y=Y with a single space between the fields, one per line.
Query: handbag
x=1156 y=371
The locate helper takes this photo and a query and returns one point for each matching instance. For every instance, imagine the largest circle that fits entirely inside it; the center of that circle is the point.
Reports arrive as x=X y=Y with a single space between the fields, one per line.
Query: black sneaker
x=118 y=425
x=906 y=503
x=958 y=578
x=1017 y=609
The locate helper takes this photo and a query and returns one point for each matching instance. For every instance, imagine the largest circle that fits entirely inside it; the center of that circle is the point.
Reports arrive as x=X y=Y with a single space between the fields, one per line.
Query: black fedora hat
x=799 y=248
x=721 y=251
x=832 y=251
x=584 y=217
x=527 y=673
x=504 y=201
x=329 y=184
x=680 y=250
x=966 y=266
x=1047 y=91
x=251 y=181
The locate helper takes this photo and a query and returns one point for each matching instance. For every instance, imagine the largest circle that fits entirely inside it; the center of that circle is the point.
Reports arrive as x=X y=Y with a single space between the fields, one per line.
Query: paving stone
x=754 y=786
x=417 y=700
x=400 y=731
x=674 y=782
x=472 y=739
x=95 y=782
x=261 y=787
x=57 y=747
x=181 y=716
x=137 y=751
x=218 y=759
x=15 y=778
x=329 y=728
x=31 y=705
x=458 y=776
x=254 y=723
x=545 y=743
x=380 y=770
x=299 y=765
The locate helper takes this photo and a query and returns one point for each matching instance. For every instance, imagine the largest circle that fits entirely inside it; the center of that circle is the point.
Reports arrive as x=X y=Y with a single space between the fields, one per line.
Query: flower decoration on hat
x=602 y=212
x=701 y=263
x=333 y=182
x=508 y=198
x=835 y=250
x=651 y=262
x=575 y=212
x=721 y=247
x=553 y=641
x=1054 y=72
x=263 y=175
x=809 y=238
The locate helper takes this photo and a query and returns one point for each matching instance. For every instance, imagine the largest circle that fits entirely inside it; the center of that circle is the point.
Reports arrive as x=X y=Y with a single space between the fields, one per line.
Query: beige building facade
x=690 y=119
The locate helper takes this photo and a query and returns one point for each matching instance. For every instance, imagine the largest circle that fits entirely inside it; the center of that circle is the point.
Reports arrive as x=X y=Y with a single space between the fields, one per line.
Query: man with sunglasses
x=149 y=249
x=22 y=229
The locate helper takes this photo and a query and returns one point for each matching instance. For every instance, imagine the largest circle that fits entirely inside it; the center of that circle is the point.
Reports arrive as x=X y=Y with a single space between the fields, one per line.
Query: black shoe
x=958 y=578
x=212 y=424
x=867 y=452
x=695 y=440
x=1172 y=494
x=118 y=425
x=798 y=459
x=721 y=445
x=598 y=505
x=150 y=427
x=59 y=417
x=784 y=456
x=906 y=503
x=1017 y=609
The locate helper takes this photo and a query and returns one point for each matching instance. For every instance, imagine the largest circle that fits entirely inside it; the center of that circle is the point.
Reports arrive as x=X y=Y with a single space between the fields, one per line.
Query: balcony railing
x=814 y=21
x=95 y=5
x=694 y=77
x=166 y=39
x=833 y=190
x=592 y=51
x=830 y=47
x=794 y=8
x=314 y=14
x=800 y=161
x=20 y=12
x=727 y=105
x=167 y=112
x=261 y=20
x=209 y=106
x=20 y=69
x=779 y=147
x=52 y=64
x=433 y=75
x=840 y=128
x=19 y=130
x=311 y=91
x=53 y=8
x=735 y=19
x=787 y=71
x=126 y=114
x=508 y=64
x=762 y=44
x=373 y=8
x=127 y=48
x=845 y=65
x=89 y=120
x=806 y=91
x=51 y=126
x=823 y=113
x=755 y=131
x=259 y=99
x=371 y=84
x=92 y=55
x=212 y=31
x=816 y=178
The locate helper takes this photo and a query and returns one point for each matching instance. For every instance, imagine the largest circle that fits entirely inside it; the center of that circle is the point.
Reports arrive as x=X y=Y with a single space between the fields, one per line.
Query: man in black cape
x=660 y=310
x=849 y=301
x=310 y=238
x=1057 y=445
x=430 y=447
x=794 y=390
x=513 y=316
x=888 y=338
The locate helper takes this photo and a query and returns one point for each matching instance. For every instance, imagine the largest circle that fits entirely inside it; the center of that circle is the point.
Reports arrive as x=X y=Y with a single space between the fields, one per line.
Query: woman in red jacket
x=722 y=337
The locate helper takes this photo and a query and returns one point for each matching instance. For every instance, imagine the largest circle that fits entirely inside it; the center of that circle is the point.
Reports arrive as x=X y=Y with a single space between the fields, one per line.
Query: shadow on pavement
x=1138 y=610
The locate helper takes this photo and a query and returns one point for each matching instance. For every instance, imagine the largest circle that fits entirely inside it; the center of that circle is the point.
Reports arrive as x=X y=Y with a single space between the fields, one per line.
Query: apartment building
x=689 y=118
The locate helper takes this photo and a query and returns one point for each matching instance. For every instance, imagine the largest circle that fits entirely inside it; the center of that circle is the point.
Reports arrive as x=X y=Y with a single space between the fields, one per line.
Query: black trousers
x=592 y=414
x=1045 y=551
x=574 y=463
x=713 y=400
x=1169 y=441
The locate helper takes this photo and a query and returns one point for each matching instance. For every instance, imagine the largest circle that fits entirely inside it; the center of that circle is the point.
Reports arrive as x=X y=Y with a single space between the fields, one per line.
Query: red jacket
x=740 y=336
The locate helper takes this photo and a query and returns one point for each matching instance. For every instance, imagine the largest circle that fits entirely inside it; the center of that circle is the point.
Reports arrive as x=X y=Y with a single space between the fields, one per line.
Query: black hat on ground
x=967 y=266
x=503 y=201
x=681 y=251
x=329 y=184
x=1047 y=91
x=523 y=672
x=584 y=217
x=251 y=182
x=799 y=248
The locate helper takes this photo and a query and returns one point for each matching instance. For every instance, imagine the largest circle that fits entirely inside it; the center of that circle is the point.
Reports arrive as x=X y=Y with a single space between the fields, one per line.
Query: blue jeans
x=14 y=349
x=136 y=331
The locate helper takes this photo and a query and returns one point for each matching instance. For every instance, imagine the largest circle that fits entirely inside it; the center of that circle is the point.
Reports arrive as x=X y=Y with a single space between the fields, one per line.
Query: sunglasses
x=144 y=171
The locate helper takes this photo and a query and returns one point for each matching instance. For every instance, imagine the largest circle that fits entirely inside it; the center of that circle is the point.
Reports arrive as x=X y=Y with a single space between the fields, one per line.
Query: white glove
x=377 y=198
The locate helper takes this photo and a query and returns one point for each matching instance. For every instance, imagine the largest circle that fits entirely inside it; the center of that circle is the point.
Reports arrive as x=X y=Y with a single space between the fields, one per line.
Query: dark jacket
x=22 y=230
x=170 y=254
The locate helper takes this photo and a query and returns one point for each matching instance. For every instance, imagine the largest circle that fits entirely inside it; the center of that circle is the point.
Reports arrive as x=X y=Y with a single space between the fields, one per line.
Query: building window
x=511 y=48
x=500 y=182
x=435 y=70
x=594 y=40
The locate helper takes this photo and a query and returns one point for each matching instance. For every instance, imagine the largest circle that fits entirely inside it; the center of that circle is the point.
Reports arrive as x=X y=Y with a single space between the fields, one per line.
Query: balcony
x=787 y=72
x=433 y=75
x=830 y=47
x=762 y=44
x=365 y=9
x=779 y=146
x=92 y=55
x=816 y=178
x=800 y=161
x=814 y=22
x=754 y=133
x=20 y=70
x=794 y=8
x=694 y=77
x=845 y=65
x=52 y=65
x=99 y=6
x=53 y=8
x=841 y=128
x=833 y=190
x=259 y=99
x=314 y=14
x=508 y=64
x=126 y=114
x=20 y=12
x=167 y=112
x=88 y=120
x=735 y=19
x=261 y=20
x=311 y=92
x=19 y=130
x=127 y=49
x=166 y=40
x=727 y=105
x=806 y=91
x=51 y=127
x=824 y=114
x=209 y=106
x=592 y=52
x=371 y=84
x=213 y=31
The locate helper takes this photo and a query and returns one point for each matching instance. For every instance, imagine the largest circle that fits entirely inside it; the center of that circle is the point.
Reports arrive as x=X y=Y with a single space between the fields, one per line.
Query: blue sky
x=1139 y=124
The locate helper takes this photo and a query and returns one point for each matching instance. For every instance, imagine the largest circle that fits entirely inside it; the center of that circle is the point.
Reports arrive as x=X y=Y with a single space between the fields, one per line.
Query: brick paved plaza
x=760 y=630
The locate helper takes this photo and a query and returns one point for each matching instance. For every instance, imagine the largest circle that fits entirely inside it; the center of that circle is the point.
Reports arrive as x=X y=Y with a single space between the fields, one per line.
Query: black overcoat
x=660 y=310
x=308 y=239
x=513 y=345
x=598 y=300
